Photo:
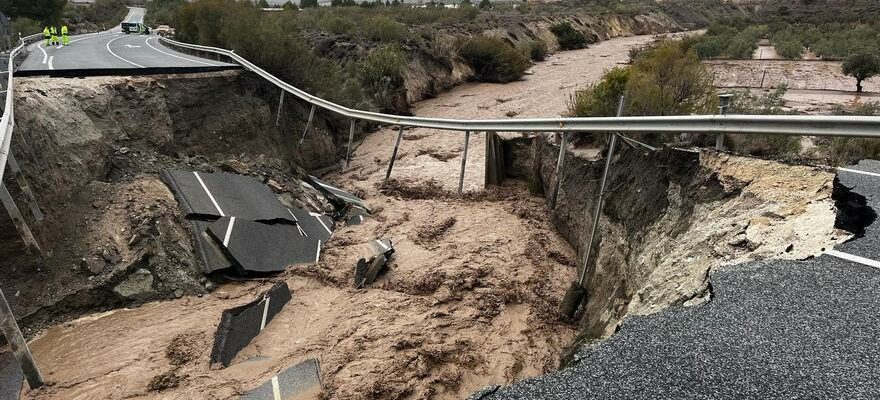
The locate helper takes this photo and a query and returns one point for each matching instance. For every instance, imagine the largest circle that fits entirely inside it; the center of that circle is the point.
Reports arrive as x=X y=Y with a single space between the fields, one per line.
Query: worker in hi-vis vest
x=54 y=32
x=64 y=38
x=47 y=36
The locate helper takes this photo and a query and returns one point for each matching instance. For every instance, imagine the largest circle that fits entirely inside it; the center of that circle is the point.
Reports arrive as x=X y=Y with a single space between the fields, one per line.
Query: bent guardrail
x=8 y=120
x=847 y=126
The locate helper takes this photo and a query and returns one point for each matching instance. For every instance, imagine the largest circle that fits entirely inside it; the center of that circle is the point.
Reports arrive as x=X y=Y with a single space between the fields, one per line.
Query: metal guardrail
x=8 y=121
x=845 y=126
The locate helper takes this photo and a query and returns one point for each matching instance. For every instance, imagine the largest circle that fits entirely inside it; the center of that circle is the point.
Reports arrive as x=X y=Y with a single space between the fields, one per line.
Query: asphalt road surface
x=111 y=49
x=772 y=329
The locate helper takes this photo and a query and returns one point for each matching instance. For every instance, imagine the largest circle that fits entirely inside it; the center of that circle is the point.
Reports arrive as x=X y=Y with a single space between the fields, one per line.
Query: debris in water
x=239 y=325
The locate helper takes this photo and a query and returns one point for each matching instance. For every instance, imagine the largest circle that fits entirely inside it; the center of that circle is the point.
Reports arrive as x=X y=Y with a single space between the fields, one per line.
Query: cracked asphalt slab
x=779 y=329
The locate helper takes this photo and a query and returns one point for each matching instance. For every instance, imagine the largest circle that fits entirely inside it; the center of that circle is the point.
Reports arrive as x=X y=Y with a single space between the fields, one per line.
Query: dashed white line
x=855 y=171
x=208 y=192
x=228 y=232
x=318 y=251
x=318 y=217
x=176 y=56
x=265 y=313
x=854 y=258
x=117 y=56
x=276 y=390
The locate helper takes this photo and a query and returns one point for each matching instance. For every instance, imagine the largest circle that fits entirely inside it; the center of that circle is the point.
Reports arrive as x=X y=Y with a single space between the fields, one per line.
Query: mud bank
x=672 y=215
x=92 y=149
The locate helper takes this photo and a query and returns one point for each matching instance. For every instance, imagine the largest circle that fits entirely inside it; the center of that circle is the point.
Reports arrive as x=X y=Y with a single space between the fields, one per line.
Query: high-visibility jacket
x=53 y=30
x=46 y=32
x=64 y=30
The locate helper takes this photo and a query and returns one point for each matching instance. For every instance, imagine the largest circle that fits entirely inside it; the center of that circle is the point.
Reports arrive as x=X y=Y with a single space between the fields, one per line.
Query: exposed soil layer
x=684 y=213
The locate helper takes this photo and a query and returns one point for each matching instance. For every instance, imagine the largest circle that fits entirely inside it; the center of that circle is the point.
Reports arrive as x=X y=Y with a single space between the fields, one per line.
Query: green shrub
x=568 y=37
x=335 y=24
x=25 y=26
x=383 y=29
x=382 y=77
x=535 y=50
x=767 y=146
x=600 y=99
x=493 y=60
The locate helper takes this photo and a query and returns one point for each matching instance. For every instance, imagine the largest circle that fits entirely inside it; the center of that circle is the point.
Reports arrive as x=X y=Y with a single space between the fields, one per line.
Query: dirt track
x=470 y=299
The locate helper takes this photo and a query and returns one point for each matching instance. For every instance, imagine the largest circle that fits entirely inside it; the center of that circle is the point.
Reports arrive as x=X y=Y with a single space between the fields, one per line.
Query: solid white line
x=51 y=58
x=117 y=56
x=208 y=192
x=265 y=313
x=276 y=391
x=228 y=232
x=176 y=56
x=849 y=257
x=318 y=252
x=323 y=224
x=301 y=231
x=45 y=55
x=382 y=245
x=858 y=172
x=291 y=214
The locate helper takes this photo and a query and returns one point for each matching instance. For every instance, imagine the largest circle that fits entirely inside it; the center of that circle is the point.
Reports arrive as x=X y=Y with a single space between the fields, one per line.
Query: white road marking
x=276 y=390
x=301 y=231
x=117 y=56
x=51 y=58
x=850 y=257
x=228 y=232
x=265 y=313
x=45 y=55
x=60 y=46
x=318 y=217
x=208 y=192
x=339 y=192
x=383 y=245
x=858 y=172
x=318 y=252
x=176 y=56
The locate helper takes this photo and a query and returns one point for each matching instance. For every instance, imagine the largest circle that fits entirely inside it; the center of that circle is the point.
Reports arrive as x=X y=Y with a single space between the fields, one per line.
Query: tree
x=308 y=4
x=289 y=6
x=465 y=3
x=263 y=4
x=861 y=66
x=485 y=4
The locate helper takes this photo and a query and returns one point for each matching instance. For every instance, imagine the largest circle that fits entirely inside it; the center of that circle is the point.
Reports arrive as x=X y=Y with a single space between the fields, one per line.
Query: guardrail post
x=560 y=164
x=723 y=104
x=350 y=140
x=577 y=291
x=467 y=136
x=308 y=123
x=26 y=235
x=19 y=346
x=280 y=104
x=394 y=154
x=24 y=187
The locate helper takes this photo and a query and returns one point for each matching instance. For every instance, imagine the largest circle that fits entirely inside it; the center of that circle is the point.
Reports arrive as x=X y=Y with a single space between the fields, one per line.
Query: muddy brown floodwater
x=470 y=299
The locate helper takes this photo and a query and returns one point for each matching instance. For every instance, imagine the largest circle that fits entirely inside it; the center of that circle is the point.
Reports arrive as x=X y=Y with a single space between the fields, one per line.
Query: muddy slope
x=685 y=212
x=92 y=150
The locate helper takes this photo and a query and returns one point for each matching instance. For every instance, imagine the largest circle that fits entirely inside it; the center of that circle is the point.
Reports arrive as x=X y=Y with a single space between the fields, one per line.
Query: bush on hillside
x=493 y=60
x=382 y=77
x=535 y=50
x=383 y=29
x=568 y=37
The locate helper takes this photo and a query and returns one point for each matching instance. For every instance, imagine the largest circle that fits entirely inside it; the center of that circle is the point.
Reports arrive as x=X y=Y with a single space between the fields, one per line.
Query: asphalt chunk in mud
x=336 y=195
x=300 y=381
x=259 y=247
x=313 y=225
x=240 y=325
x=214 y=195
x=367 y=269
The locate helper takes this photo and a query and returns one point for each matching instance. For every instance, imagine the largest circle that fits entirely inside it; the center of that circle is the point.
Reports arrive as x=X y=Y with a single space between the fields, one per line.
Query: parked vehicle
x=136 y=28
x=165 y=31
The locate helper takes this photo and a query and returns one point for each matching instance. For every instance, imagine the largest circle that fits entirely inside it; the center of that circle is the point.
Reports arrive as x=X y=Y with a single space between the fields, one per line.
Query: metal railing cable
x=812 y=125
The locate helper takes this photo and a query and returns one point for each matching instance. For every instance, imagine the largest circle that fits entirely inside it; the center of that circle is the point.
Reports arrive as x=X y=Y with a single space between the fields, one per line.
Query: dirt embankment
x=685 y=212
x=92 y=150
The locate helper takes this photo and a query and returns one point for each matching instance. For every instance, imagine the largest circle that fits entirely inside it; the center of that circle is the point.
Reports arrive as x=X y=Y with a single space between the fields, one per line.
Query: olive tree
x=861 y=66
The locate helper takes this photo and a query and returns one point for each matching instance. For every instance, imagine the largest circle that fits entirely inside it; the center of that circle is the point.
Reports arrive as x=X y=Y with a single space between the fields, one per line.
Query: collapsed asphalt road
x=772 y=329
